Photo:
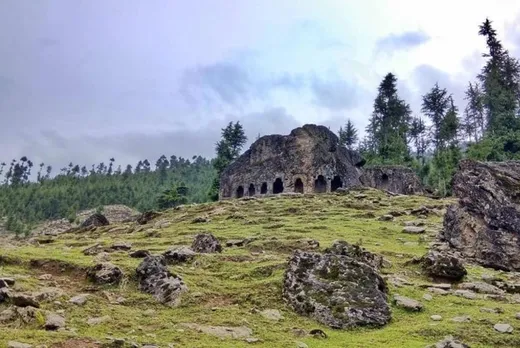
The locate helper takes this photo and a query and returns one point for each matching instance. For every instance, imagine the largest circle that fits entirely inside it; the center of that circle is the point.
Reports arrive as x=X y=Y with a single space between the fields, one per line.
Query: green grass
x=225 y=288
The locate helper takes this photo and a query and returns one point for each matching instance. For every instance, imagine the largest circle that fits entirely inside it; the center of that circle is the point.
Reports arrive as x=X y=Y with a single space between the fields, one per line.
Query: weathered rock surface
x=408 y=303
x=485 y=224
x=14 y=344
x=121 y=246
x=139 y=254
x=336 y=290
x=206 y=243
x=221 y=331
x=341 y=247
x=95 y=220
x=449 y=342
x=396 y=179
x=24 y=300
x=105 y=273
x=146 y=217
x=443 y=265
x=179 y=255
x=155 y=279
x=54 y=322
x=79 y=300
x=309 y=159
x=413 y=230
x=503 y=328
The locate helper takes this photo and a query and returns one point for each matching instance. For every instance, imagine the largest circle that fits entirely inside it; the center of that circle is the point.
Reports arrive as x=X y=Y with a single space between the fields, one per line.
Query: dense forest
x=487 y=128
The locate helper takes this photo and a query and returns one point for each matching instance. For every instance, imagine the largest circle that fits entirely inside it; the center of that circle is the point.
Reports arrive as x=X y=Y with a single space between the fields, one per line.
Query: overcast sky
x=84 y=81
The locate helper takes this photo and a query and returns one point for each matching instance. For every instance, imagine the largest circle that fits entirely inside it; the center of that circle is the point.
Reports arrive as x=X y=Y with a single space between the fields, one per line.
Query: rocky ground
x=90 y=287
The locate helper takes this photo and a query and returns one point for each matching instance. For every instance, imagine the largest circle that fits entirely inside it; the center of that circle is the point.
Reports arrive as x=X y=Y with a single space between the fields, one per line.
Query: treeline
x=433 y=142
x=169 y=182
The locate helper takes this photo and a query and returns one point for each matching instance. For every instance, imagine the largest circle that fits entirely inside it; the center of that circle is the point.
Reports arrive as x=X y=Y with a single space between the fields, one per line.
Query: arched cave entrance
x=298 y=186
x=240 y=192
x=252 y=190
x=384 y=180
x=278 y=186
x=336 y=183
x=263 y=188
x=320 y=184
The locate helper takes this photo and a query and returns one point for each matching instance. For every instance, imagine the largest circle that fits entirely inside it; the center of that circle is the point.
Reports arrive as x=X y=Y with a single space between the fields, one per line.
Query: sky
x=84 y=81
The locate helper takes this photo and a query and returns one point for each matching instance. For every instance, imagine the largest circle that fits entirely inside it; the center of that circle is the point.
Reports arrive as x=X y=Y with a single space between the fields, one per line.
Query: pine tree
x=348 y=136
x=474 y=119
x=435 y=104
x=418 y=134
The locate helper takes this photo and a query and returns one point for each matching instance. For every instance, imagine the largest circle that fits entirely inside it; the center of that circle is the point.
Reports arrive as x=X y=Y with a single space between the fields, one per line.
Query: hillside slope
x=233 y=288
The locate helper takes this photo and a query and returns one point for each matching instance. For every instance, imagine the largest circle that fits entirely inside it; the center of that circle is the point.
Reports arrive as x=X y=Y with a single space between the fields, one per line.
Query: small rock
x=272 y=314
x=139 y=254
x=200 y=219
x=149 y=312
x=79 y=299
x=462 y=319
x=427 y=297
x=235 y=242
x=318 y=333
x=386 y=218
x=413 y=230
x=45 y=277
x=6 y=282
x=23 y=300
x=252 y=340
x=438 y=291
x=449 y=342
x=301 y=345
x=14 y=344
x=206 y=243
x=503 y=328
x=466 y=294
x=105 y=273
x=436 y=317
x=492 y=310
x=99 y=320
x=102 y=257
x=54 y=322
x=298 y=332
x=178 y=255
x=517 y=316
x=407 y=303
x=121 y=246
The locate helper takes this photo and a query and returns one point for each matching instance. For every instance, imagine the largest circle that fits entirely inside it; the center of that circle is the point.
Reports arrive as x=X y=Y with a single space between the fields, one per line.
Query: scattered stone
x=272 y=314
x=484 y=224
x=427 y=297
x=483 y=288
x=139 y=254
x=95 y=220
x=93 y=250
x=466 y=294
x=179 y=255
x=517 y=316
x=462 y=319
x=503 y=328
x=396 y=213
x=24 y=300
x=317 y=333
x=102 y=257
x=146 y=217
x=79 y=300
x=236 y=242
x=45 y=277
x=236 y=332
x=206 y=243
x=121 y=246
x=408 y=303
x=14 y=344
x=54 y=322
x=200 y=220
x=105 y=273
x=386 y=218
x=301 y=345
x=449 y=342
x=492 y=310
x=252 y=340
x=7 y=315
x=99 y=320
x=336 y=290
x=443 y=265
x=436 y=317
x=155 y=279
x=413 y=229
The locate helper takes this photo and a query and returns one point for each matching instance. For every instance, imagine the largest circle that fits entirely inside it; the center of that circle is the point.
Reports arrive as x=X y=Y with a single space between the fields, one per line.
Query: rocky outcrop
x=178 y=255
x=309 y=159
x=396 y=179
x=105 y=273
x=485 y=224
x=95 y=220
x=336 y=290
x=206 y=243
x=155 y=279
x=443 y=265
x=341 y=247
x=146 y=217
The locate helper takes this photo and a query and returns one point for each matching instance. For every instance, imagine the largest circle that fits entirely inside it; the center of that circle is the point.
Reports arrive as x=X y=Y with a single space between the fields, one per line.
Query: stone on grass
x=408 y=303
x=443 y=265
x=470 y=295
x=121 y=246
x=413 y=229
x=517 y=316
x=449 y=342
x=79 y=300
x=14 y=344
x=98 y=320
x=178 y=255
x=436 y=317
x=427 y=297
x=503 y=328
x=139 y=254
x=24 y=300
x=221 y=331
x=462 y=319
x=54 y=322
x=95 y=220
x=206 y=243
x=341 y=247
x=105 y=273
x=272 y=314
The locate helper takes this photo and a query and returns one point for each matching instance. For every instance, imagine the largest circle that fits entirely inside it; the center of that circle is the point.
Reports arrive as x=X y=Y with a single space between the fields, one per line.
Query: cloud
x=403 y=41
x=335 y=94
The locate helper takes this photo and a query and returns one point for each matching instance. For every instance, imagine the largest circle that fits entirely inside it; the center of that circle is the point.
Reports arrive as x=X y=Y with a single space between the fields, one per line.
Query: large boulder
x=397 y=179
x=485 y=224
x=105 y=273
x=206 y=243
x=155 y=279
x=95 y=220
x=443 y=265
x=341 y=247
x=336 y=290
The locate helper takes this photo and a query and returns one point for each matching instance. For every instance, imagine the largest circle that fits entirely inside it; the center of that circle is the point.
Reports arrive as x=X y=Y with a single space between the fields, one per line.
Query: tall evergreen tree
x=474 y=119
x=348 y=136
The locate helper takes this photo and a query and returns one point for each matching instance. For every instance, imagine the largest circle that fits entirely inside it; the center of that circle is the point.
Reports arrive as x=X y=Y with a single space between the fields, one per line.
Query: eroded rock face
x=95 y=220
x=155 y=279
x=336 y=290
x=397 y=179
x=105 y=273
x=443 y=265
x=340 y=247
x=309 y=159
x=206 y=243
x=178 y=255
x=485 y=224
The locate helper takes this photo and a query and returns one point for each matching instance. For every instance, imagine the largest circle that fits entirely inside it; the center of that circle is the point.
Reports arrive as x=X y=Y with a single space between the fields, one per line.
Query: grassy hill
x=232 y=288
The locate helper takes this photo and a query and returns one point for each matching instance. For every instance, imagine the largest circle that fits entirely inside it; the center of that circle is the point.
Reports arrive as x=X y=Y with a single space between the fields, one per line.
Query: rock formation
x=485 y=224
x=95 y=220
x=105 y=273
x=397 y=179
x=206 y=243
x=338 y=290
x=309 y=159
x=155 y=279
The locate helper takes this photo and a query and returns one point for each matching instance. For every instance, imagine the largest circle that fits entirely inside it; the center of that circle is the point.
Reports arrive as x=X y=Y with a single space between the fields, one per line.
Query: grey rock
x=98 y=320
x=48 y=294
x=240 y=332
x=252 y=340
x=408 y=303
x=466 y=294
x=121 y=246
x=14 y=344
x=272 y=314
x=155 y=279
x=517 y=316
x=95 y=220
x=139 y=254
x=449 y=342
x=483 y=226
x=427 y=297
x=7 y=315
x=436 y=317
x=54 y=322
x=443 y=265
x=336 y=290
x=301 y=345
x=413 y=230
x=462 y=319
x=503 y=328
x=24 y=300
x=386 y=218
x=79 y=299
x=206 y=243
x=482 y=288
x=105 y=273
x=93 y=250
x=6 y=282
x=179 y=255
x=341 y=247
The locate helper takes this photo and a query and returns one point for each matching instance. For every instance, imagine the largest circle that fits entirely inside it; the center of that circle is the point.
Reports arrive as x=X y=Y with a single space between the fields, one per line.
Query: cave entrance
x=252 y=190
x=298 y=186
x=240 y=192
x=263 y=188
x=384 y=180
x=336 y=183
x=320 y=184
x=278 y=186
